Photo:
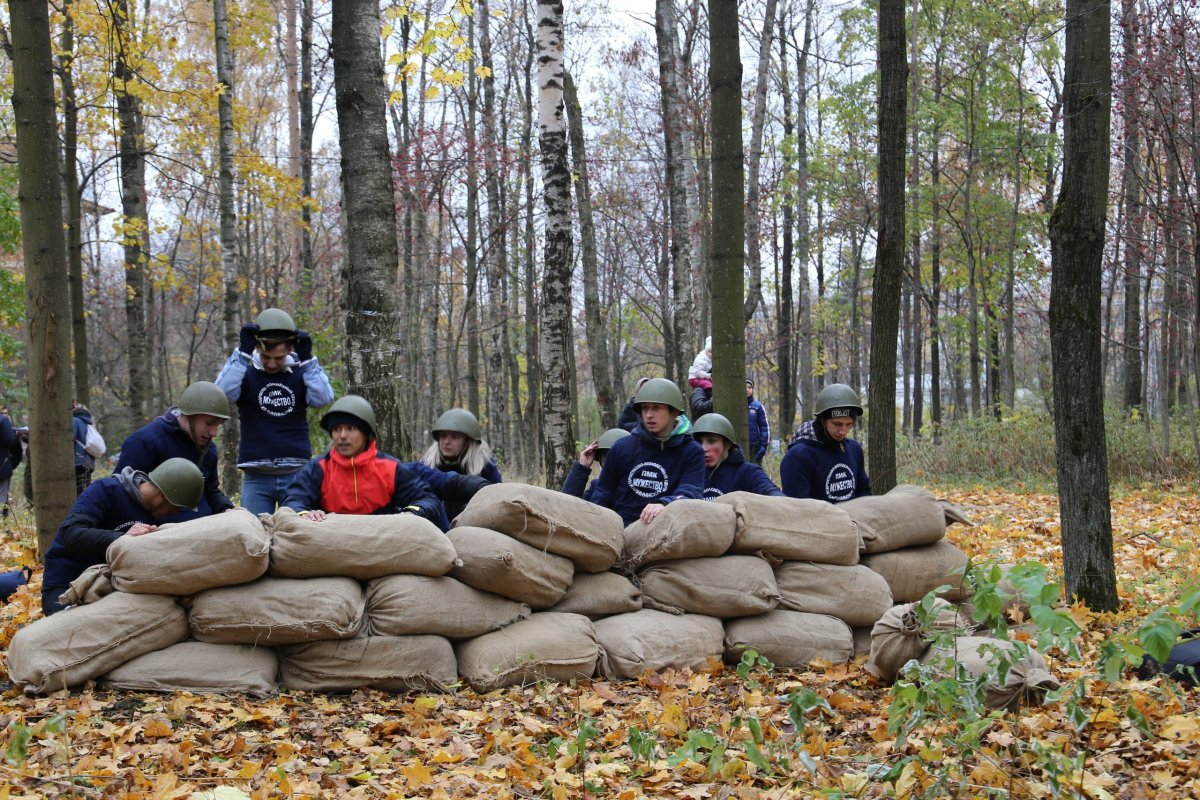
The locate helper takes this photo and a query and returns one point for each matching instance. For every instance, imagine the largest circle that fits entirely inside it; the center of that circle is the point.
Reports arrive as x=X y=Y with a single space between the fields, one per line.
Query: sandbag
x=855 y=595
x=1026 y=682
x=599 y=594
x=588 y=534
x=684 y=529
x=862 y=641
x=92 y=584
x=356 y=546
x=389 y=663
x=790 y=639
x=906 y=516
x=495 y=562
x=188 y=557
x=915 y=571
x=201 y=668
x=726 y=586
x=791 y=529
x=74 y=646
x=898 y=636
x=407 y=605
x=279 y=611
x=653 y=640
x=547 y=646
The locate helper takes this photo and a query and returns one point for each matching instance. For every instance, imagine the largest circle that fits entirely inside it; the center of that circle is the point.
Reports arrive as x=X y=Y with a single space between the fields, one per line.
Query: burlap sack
x=389 y=663
x=407 y=605
x=684 y=529
x=898 y=636
x=855 y=595
x=279 y=611
x=547 y=646
x=357 y=546
x=599 y=594
x=95 y=582
x=567 y=526
x=906 y=516
x=1027 y=680
x=790 y=639
x=726 y=586
x=915 y=571
x=652 y=640
x=188 y=557
x=862 y=641
x=792 y=530
x=200 y=668
x=74 y=646
x=495 y=562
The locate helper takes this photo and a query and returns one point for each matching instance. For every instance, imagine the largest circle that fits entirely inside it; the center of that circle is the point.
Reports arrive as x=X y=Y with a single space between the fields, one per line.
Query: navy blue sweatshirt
x=817 y=467
x=642 y=469
x=577 y=484
x=736 y=474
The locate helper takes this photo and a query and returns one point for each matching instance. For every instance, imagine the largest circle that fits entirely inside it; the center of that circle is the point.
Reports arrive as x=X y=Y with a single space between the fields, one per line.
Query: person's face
x=451 y=444
x=749 y=390
x=839 y=428
x=156 y=502
x=715 y=448
x=202 y=428
x=274 y=358
x=656 y=417
x=348 y=440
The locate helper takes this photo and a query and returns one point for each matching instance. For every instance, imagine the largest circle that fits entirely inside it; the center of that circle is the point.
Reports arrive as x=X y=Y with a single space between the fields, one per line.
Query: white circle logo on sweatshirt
x=839 y=483
x=276 y=399
x=648 y=479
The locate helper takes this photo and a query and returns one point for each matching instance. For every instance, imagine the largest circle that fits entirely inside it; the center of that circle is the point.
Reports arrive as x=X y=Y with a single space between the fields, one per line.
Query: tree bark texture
x=753 y=189
x=73 y=205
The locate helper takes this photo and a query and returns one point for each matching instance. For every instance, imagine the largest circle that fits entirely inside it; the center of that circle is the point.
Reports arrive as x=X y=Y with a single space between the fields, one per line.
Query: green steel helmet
x=352 y=405
x=180 y=481
x=663 y=391
x=204 y=397
x=838 y=399
x=275 y=321
x=714 y=423
x=609 y=438
x=459 y=420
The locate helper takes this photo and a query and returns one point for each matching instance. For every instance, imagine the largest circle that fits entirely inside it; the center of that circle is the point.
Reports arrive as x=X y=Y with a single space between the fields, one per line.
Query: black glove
x=248 y=339
x=463 y=487
x=303 y=346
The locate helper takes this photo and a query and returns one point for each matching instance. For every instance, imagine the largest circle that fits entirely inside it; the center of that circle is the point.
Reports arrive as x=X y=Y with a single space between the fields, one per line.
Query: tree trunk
x=47 y=300
x=889 y=261
x=73 y=197
x=1077 y=253
x=757 y=120
x=306 y=155
x=471 y=301
x=785 y=347
x=533 y=405
x=804 y=382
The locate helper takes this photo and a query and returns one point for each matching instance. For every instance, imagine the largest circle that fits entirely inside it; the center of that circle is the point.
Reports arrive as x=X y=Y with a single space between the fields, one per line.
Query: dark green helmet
x=180 y=481
x=609 y=438
x=714 y=423
x=353 y=405
x=838 y=399
x=275 y=322
x=204 y=397
x=459 y=420
x=663 y=391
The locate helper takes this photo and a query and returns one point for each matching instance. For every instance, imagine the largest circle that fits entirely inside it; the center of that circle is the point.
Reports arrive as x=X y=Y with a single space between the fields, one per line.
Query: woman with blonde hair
x=458 y=449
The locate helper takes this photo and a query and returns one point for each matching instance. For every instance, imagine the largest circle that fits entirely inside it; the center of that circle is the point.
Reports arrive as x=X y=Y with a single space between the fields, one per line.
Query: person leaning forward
x=130 y=502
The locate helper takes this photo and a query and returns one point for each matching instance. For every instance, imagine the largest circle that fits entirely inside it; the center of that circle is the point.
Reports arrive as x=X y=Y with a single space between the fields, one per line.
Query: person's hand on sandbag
x=463 y=487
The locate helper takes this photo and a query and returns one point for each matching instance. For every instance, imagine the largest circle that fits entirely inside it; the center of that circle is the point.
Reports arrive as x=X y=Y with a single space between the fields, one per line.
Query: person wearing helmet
x=594 y=453
x=725 y=466
x=186 y=431
x=656 y=465
x=822 y=462
x=129 y=502
x=274 y=379
x=458 y=449
x=354 y=477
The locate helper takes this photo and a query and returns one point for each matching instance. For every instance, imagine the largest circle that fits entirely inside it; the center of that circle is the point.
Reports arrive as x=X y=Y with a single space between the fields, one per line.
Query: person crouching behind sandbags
x=725 y=466
x=354 y=477
x=581 y=470
x=822 y=462
x=131 y=502
x=658 y=464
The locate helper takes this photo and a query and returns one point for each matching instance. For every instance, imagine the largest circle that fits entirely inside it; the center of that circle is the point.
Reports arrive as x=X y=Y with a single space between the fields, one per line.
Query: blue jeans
x=262 y=491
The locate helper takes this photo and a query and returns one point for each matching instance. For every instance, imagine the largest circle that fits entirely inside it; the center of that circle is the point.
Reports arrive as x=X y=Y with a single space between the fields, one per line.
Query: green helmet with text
x=839 y=400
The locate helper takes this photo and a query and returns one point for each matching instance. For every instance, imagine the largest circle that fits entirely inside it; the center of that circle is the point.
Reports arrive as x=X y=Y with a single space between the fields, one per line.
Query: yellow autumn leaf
x=416 y=774
x=671 y=721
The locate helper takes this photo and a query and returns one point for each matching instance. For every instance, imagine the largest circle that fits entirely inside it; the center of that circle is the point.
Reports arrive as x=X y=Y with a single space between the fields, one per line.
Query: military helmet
x=609 y=438
x=180 y=481
x=715 y=423
x=663 y=391
x=275 y=321
x=838 y=399
x=353 y=405
x=459 y=420
x=204 y=397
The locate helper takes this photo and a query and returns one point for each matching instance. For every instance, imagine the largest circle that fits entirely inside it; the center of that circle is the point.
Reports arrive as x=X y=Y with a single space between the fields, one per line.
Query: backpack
x=1183 y=664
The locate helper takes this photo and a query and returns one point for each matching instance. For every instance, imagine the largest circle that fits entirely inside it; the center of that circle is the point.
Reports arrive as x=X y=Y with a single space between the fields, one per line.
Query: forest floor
x=749 y=732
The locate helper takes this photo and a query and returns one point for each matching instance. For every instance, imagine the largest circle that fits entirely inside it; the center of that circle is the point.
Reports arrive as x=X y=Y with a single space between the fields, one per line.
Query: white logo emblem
x=276 y=399
x=648 y=479
x=839 y=483
x=712 y=492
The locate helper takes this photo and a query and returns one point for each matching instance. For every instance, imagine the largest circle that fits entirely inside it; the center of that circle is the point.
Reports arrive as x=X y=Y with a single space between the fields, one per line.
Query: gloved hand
x=304 y=345
x=248 y=338
x=463 y=487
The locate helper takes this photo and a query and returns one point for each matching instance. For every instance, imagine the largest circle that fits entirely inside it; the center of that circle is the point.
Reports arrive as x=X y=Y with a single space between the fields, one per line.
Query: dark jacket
x=629 y=416
x=577 y=484
x=642 y=469
x=817 y=467
x=10 y=448
x=736 y=474
x=760 y=431
x=454 y=489
x=162 y=438
x=81 y=418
